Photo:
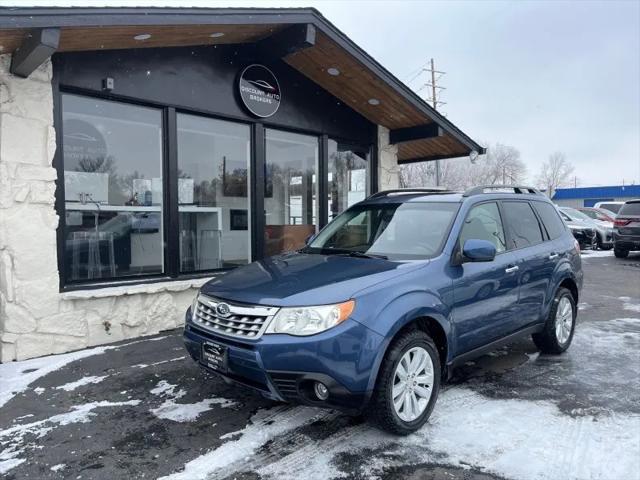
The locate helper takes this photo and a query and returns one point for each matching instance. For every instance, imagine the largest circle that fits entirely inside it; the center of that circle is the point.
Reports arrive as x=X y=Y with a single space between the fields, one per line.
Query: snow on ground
x=15 y=377
x=628 y=305
x=587 y=254
x=58 y=467
x=183 y=412
x=79 y=383
x=514 y=438
x=13 y=440
x=265 y=425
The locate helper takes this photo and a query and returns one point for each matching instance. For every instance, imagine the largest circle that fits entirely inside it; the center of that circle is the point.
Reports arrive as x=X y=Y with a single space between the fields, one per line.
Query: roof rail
x=516 y=189
x=409 y=191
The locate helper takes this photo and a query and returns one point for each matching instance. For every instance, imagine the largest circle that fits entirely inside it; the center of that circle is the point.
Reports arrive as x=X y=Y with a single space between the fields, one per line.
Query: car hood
x=304 y=279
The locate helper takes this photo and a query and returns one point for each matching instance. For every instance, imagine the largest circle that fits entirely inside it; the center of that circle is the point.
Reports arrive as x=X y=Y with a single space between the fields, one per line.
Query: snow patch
x=79 y=383
x=265 y=425
x=58 y=467
x=188 y=412
x=15 y=377
x=13 y=442
x=182 y=412
x=587 y=254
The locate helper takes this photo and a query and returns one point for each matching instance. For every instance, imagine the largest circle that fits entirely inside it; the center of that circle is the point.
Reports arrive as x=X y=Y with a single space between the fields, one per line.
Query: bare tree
x=500 y=165
x=555 y=173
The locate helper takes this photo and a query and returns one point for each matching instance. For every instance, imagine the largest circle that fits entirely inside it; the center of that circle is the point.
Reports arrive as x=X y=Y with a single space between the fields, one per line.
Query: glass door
x=291 y=190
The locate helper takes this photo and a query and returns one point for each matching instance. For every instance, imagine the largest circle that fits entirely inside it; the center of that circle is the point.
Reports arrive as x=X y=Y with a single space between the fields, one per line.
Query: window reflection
x=112 y=155
x=348 y=176
x=213 y=162
x=290 y=190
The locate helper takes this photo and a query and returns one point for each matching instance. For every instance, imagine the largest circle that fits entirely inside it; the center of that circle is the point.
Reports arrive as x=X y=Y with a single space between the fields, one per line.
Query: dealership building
x=145 y=151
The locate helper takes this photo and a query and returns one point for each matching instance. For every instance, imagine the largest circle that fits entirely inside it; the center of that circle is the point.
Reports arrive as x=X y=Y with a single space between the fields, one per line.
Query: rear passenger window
x=630 y=209
x=549 y=216
x=483 y=223
x=522 y=224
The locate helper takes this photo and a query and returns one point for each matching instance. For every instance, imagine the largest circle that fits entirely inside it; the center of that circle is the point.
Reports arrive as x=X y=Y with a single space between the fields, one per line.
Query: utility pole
x=435 y=102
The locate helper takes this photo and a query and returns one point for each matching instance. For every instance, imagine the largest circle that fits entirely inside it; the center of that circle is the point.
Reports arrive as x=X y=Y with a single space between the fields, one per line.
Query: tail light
x=621 y=222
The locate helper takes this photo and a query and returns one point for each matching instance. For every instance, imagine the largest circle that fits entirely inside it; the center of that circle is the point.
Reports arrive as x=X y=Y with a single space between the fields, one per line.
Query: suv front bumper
x=285 y=367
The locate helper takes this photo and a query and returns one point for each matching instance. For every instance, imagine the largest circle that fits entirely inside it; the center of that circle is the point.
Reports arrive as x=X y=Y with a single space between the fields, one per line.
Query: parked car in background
x=610 y=205
x=626 y=229
x=379 y=307
x=603 y=220
x=601 y=214
x=583 y=228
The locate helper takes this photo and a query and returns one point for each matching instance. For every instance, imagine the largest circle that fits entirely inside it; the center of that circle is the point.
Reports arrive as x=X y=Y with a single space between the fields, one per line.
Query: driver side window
x=484 y=223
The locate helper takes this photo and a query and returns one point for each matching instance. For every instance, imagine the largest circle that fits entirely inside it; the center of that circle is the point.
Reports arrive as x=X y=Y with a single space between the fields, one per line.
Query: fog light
x=321 y=391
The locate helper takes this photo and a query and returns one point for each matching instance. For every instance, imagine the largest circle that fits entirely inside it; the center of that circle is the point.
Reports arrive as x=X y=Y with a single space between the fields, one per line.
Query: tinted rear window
x=549 y=216
x=630 y=209
x=522 y=223
x=612 y=207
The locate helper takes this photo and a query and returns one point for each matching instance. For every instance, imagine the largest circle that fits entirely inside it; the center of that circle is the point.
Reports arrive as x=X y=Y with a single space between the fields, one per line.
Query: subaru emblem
x=223 y=310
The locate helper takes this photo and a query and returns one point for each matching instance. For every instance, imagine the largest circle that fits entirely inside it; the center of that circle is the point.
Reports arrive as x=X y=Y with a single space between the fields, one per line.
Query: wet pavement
x=142 y=409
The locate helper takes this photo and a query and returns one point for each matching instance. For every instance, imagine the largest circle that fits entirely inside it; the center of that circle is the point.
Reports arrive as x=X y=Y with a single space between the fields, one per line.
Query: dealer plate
x=214 y=356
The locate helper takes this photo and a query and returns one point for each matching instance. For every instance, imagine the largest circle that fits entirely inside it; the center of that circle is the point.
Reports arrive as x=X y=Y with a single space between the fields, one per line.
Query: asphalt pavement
x=142 y=409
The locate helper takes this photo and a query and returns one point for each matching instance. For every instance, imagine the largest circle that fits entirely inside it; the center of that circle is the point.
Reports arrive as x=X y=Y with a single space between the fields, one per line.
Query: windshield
x=575 y=214
x=403 y=231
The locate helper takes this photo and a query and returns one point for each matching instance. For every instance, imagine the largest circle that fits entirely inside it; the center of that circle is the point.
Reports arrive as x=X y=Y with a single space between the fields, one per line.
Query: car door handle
x=515 y=268
x=553 y=256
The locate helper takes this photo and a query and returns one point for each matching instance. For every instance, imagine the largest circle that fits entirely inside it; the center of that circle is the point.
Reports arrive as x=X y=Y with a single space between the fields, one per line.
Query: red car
x=598 y=213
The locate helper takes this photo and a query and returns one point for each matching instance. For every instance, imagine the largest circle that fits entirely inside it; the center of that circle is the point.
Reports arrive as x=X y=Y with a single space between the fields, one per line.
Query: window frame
x=458 y=246
x=169 y=169
x=543 y=225
x=535 y=215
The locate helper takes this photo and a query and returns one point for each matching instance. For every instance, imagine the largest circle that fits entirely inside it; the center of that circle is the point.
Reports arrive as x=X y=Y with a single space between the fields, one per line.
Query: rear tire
x=560 y=325
x=415 y=396
x=619 y=253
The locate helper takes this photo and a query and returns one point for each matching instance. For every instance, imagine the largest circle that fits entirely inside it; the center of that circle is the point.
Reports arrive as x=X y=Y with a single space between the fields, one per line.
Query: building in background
x=589 y=196
x=144 y=151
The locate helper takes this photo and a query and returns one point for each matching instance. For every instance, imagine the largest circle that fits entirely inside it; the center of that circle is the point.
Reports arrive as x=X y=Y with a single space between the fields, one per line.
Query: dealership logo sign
x=259 y=90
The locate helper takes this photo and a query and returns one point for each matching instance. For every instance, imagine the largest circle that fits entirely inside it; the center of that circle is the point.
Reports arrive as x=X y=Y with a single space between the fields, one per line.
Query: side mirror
x=478 y=251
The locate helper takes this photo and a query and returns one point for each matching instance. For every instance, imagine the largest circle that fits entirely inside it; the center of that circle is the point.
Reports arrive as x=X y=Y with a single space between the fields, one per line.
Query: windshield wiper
x=365 y=255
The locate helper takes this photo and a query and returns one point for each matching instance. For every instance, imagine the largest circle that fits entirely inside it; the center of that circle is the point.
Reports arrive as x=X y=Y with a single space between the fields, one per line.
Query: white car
x=610 y=205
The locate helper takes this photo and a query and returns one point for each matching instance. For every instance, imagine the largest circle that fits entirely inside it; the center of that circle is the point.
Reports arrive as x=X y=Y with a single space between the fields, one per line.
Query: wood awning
x=303 y=38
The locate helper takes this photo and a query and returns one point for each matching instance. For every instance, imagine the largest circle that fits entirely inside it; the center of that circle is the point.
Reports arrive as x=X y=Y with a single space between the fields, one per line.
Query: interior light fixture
x=333 y=71
x=217 y=35
x=374 y=101
x=142 y=36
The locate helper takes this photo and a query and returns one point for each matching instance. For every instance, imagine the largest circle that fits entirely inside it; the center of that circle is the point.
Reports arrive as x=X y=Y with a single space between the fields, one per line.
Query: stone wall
x=35 y=318
x=388 y=169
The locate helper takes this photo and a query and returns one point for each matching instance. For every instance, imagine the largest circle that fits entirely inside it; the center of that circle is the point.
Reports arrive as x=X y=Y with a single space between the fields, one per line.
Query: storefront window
x=213 y=163
x=290 y=190
x=348 y=176
x=112 y=156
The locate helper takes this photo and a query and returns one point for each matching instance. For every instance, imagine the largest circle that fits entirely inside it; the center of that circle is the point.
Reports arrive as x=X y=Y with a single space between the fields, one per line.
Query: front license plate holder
x=215 y=356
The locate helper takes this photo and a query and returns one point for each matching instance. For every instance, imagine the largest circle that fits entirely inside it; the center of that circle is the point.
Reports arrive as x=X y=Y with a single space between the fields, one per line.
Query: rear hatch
x=627 y=222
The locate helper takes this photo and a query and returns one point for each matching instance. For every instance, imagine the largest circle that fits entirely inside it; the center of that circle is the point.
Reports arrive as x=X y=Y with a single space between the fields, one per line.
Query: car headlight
x=310 y=320
x=194 y=306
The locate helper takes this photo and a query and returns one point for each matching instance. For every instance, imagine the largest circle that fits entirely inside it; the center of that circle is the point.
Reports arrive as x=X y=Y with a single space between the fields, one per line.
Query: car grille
x=241 y=321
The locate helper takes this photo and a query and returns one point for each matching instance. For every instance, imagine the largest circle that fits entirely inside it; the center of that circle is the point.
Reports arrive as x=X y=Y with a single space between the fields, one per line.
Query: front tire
x=408 y=384
x=619 y=253
x=560 y=325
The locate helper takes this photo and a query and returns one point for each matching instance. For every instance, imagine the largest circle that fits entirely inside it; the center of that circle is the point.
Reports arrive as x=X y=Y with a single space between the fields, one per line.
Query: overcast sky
x=542 y=76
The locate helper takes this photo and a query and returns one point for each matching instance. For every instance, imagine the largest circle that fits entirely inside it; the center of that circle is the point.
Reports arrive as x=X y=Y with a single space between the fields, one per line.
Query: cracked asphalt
x=143 y=409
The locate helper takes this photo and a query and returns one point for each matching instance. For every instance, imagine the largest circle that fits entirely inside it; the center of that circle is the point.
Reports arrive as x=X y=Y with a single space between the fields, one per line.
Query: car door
x=485 y=294
x=535 y=259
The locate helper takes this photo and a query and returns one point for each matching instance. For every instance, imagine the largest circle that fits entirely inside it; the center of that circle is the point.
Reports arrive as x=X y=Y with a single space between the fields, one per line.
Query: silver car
x=582 y=226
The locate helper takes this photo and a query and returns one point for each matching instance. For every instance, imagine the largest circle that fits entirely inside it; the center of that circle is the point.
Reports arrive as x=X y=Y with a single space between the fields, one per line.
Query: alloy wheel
x=412 y=384
x=564 y=320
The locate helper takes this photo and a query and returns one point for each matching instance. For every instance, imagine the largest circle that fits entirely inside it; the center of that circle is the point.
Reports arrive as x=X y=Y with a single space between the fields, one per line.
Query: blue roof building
x=588 y=196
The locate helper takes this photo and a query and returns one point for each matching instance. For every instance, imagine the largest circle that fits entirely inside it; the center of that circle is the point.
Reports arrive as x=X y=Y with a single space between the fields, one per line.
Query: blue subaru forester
x=384 y=301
